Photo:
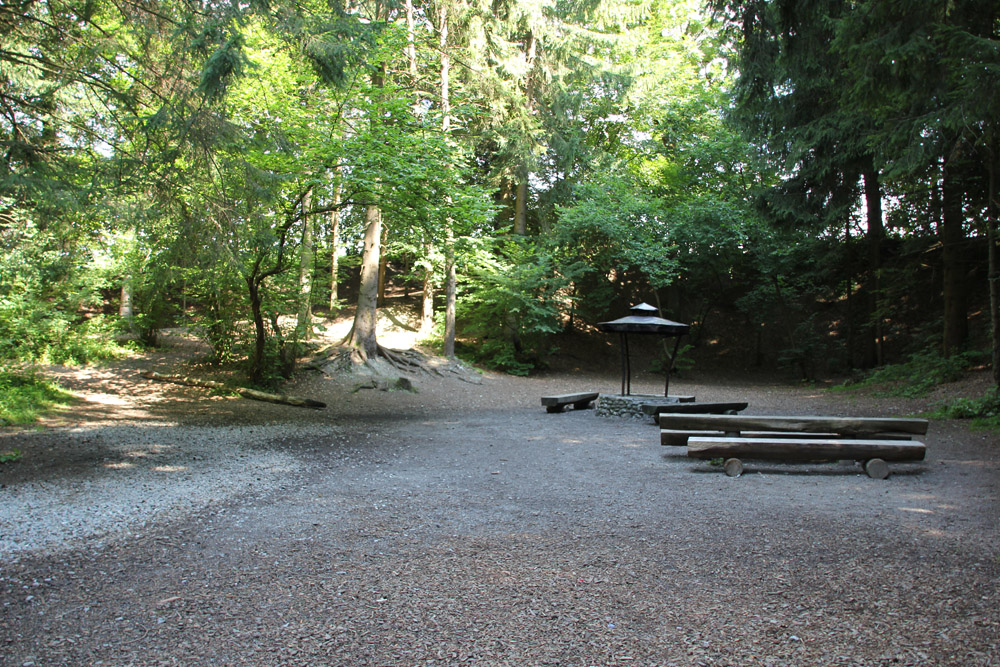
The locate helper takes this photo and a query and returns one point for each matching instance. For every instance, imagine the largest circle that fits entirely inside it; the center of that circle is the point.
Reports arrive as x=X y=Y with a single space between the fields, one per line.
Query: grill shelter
x=644 y=321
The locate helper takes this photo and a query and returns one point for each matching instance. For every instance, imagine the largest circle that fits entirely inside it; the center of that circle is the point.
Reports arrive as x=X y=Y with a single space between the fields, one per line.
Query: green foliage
x=513 y=303
x=614 y=225
x=682 y=362
x=24 y=396
x=11 y=456
x=920 y=373
x=46 y=287
x=983 y=411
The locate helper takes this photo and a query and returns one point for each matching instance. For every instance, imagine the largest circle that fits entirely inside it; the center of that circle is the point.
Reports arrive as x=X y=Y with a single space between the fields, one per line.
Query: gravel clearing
x=145 y=473
x=464 y=525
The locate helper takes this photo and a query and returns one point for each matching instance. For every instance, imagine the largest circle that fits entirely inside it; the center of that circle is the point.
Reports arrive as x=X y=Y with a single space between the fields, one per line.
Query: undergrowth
x=24 y=396
x=923 y=371
x=983 y=411
x=916 y=376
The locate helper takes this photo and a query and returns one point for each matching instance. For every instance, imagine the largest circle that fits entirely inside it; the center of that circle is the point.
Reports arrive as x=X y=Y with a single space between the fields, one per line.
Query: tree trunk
x=451 y=296
x=334 y=245
x=303 y=327
x=521 y=209
x=125 y=310
x=383 y=266
x=427 y=296
x=992 y=210
x=366 y=314
x=363 y=332
x=260 y=333
x=521 y=196
x=876 y=234
x=956 y=324
x=450 y=282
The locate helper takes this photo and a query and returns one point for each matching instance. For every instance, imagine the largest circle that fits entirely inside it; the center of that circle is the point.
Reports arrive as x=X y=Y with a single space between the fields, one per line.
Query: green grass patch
x=24 y=397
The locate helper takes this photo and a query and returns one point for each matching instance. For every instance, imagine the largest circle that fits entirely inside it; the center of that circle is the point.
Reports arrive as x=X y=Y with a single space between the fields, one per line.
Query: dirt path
x=464 y=525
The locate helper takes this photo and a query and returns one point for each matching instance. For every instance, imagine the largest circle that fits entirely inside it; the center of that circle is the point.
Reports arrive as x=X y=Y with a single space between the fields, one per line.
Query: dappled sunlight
x=106 y=399
x=915 y=510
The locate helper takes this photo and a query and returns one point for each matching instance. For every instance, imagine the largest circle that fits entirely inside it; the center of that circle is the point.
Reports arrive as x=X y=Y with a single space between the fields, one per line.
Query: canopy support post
x=628 y=364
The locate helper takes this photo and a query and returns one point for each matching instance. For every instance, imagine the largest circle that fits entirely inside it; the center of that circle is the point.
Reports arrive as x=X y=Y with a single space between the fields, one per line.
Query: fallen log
x=283 y=399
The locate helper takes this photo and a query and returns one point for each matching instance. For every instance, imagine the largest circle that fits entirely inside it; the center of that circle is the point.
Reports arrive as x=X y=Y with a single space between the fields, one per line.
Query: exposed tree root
x=341 y=360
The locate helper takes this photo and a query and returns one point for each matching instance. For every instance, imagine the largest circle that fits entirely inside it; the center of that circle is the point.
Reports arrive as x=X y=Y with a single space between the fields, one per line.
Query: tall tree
x=928 y=77
x=789 y=95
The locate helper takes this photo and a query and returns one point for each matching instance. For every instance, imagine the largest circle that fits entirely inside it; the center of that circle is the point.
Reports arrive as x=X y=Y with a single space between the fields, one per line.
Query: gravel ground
x=154 y=524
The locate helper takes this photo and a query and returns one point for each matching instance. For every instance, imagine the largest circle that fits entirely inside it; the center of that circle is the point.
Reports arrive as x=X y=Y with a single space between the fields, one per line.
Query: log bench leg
x=733 y=467
x=876 y=468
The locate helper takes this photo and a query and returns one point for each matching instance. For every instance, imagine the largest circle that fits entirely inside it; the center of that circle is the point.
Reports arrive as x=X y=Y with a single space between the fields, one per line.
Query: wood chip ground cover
x=466 y=526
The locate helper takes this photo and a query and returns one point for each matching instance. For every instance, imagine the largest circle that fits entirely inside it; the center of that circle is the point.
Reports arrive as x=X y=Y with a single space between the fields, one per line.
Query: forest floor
x=158 y=524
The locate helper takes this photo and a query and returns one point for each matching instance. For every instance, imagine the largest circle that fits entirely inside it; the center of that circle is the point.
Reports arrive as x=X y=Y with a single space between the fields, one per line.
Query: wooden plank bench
x=873 y=453
x=657 y=409
x=580 y=401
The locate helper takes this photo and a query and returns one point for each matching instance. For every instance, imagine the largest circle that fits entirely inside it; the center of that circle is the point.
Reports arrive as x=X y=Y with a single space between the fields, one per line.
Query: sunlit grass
x=24 y=397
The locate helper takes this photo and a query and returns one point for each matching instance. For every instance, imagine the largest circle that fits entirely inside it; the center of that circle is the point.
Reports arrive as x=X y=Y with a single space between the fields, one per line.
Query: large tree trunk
x=363 y=332
x=956 y=324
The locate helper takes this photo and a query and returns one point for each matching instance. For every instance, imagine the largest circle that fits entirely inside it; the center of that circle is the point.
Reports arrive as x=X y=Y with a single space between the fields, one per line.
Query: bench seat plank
x=579 y=401
x=679 y=438
x=805 y=449
x=693 y=407
x=804 y=424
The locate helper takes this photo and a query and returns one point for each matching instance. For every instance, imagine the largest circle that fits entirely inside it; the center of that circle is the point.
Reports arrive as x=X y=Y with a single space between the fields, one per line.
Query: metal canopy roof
x=644 y=320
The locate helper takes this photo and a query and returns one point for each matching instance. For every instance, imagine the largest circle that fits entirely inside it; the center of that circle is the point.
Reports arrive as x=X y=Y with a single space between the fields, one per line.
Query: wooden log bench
x=873 y=453
x=871 y=440
x=844 y=426
x=679 y=438
x=580 y=401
